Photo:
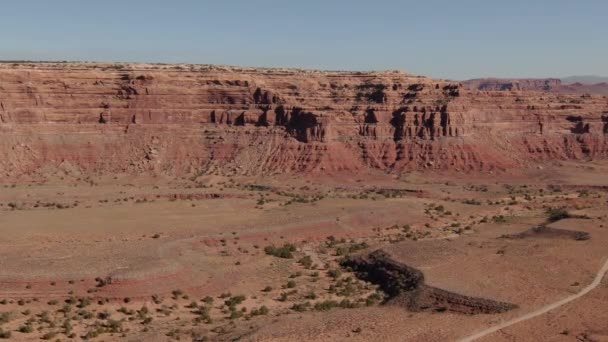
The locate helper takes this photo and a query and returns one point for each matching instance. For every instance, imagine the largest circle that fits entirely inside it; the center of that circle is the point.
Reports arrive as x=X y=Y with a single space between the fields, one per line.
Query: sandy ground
x=76 y=250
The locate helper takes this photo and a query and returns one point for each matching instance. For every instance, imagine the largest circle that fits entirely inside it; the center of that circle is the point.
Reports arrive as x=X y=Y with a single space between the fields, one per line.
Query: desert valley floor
x=260 y=259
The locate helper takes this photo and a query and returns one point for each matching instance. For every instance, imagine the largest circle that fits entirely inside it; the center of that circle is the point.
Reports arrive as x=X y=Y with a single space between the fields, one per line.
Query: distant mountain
x=585 y=79
x=505 y=84
x=553 y=85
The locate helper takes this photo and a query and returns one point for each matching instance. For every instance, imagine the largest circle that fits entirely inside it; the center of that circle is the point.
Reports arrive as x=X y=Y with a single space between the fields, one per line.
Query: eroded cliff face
x=184 y=120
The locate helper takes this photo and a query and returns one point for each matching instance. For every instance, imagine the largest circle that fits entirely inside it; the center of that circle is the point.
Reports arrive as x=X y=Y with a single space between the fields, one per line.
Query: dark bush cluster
x=285 y=252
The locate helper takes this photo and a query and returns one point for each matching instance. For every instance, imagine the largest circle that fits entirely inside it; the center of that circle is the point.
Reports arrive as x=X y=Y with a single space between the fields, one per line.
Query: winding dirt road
x=595 y=283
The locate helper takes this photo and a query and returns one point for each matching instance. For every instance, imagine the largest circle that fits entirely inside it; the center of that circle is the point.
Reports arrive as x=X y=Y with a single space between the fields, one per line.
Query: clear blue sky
x=450 y=39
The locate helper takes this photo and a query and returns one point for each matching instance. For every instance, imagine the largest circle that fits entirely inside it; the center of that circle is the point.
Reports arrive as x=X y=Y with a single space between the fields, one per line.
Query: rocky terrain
x=86 y=119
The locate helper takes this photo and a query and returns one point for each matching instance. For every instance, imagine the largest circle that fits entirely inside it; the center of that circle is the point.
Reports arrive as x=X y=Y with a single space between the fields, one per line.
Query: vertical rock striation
x=178 y=120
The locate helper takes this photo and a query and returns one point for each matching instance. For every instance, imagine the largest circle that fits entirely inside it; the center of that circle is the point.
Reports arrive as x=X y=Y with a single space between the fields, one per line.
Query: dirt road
x=595 y=283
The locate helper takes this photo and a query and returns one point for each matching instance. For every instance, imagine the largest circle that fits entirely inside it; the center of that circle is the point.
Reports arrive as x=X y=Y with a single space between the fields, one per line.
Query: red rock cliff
x=178 y=120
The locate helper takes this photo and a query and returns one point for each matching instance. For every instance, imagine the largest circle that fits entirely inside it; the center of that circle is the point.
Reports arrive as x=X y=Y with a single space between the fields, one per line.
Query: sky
x=456 y=39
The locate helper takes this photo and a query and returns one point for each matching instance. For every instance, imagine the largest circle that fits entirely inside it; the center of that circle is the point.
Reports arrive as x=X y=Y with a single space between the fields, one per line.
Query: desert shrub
x=26 y=328
x=554 y=188
x=344 y=250
x=6 y=317
x=583 y=193
x=45 y=317
x=5 y=334
x=325 y=305
x=157 y=299
x=103 y=315
x=165 y=310
x=334 y=273
x=143 y=312
x=311 y=295
x=348 y=290
x=300 y=307
x=101 y=282
x=67 y=327
x=499 y=219
x=126 y=311
x=93 y=333
x=347 y=304
x=235 y=300
x=177 y=293
x=235 y=314
x=285 y=252
x=203 y=314
x=84 y=302
x=113 y=326
x=49 y=335
x=85 y=314
x=556 y=214
x=373 y=299
x=263 y=310
x=306 y=262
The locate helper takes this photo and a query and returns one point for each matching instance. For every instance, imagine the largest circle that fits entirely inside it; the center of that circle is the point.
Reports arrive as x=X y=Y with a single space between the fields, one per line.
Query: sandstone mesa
x=189 y=120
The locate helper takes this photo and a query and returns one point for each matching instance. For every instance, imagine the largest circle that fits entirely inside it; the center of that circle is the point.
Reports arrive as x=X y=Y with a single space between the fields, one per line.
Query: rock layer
x=193 y=120
x=405 y=285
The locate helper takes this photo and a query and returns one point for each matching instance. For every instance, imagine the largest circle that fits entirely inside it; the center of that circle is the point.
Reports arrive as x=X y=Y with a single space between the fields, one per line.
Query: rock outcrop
x=191 y=120
x=405 y=286
x=542 y=231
